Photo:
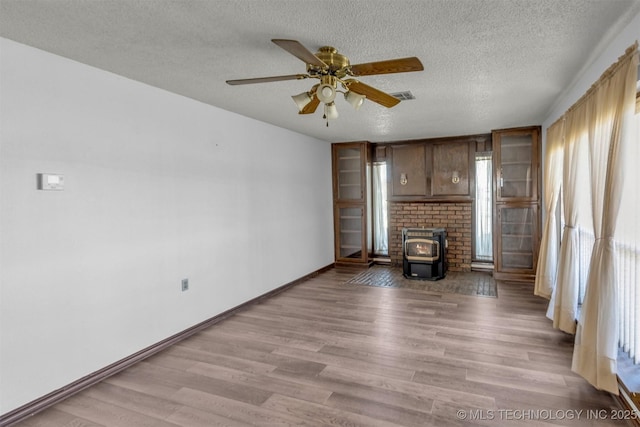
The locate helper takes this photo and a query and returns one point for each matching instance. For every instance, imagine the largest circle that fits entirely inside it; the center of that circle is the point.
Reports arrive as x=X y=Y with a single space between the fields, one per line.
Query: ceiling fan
x=333 y=69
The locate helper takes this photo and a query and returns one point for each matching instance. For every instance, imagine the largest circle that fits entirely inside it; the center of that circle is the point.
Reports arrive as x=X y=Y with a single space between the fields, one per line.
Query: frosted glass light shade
x=326 y=93
x=330 y=111
x=301 y=100
x=355 y=99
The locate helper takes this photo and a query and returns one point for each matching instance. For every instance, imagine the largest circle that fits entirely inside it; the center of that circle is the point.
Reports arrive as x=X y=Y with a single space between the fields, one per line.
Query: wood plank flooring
x=326 y=353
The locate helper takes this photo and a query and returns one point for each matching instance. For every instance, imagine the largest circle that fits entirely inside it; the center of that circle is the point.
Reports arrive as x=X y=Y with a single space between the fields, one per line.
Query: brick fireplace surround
x=454 y=217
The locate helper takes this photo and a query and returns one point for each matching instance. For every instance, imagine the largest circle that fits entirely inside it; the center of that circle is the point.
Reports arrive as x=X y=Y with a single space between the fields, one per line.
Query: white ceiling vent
x=403 y=96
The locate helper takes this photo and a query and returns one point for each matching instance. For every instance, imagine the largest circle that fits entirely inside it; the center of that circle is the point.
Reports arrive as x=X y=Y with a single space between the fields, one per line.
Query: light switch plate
x=50 y=181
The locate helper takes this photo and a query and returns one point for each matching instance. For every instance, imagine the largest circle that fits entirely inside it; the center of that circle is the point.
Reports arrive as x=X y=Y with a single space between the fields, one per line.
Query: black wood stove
x=424 y=253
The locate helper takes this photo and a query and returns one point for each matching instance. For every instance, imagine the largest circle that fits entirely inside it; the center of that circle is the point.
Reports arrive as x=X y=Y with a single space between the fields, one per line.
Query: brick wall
x=455 y=218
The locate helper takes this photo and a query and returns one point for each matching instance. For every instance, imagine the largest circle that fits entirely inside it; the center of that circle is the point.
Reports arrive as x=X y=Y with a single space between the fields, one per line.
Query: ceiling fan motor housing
x=337 y=63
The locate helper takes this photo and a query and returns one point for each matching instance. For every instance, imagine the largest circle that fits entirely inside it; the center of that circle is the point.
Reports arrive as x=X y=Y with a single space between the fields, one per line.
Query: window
x=483 y=222
x=627 y=248
x=380 y=221
x=627 y=240
x=598 y=261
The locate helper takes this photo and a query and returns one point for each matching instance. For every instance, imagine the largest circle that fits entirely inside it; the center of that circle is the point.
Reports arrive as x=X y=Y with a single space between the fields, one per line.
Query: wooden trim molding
x=44 y=402
x=628 y=387
x=630 y=403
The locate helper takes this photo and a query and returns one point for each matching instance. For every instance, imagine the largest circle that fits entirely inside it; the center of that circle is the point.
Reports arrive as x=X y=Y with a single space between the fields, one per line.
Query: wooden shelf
x=516 y=145
x=516 y=163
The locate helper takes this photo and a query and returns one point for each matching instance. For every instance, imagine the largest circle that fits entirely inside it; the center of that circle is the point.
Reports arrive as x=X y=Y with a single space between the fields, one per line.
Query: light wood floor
x=328 y=353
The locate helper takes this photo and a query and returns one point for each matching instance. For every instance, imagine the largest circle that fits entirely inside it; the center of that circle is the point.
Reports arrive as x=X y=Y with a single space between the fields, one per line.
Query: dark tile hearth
x=473 y=283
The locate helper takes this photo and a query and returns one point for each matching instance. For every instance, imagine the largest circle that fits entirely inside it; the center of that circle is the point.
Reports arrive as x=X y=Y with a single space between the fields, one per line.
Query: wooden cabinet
x=516 y=153
x=349 y=167
x=517 y=244
x=516 y=220
x=350 y=224
x=352 y=203
x=439 y=169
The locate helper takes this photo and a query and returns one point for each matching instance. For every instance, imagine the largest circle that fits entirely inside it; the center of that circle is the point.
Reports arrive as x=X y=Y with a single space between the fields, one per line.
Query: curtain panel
x=484 y=207
x=549 y=245
x=627 y=240
x=563 y=307
x=609 y=105
x=380 y=233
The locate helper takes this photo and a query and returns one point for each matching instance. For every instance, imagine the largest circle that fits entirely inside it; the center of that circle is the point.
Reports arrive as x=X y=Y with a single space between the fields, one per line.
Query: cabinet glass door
x=516 y=175
x=516 y=237
x=350 y=233
x=516 y=233
x=349 y=173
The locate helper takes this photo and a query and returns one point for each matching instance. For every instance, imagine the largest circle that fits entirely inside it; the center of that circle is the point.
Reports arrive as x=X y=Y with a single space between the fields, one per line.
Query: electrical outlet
x=185 y=285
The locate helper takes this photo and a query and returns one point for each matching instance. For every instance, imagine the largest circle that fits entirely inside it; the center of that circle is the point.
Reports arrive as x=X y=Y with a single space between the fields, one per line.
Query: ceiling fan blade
x=401 y=65
x=267 y=79
x=372 y=93
x=310 y=108
x=295 y=48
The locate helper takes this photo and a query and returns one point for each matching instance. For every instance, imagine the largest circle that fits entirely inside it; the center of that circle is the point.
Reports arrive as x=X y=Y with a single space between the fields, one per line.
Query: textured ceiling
x=488 y=64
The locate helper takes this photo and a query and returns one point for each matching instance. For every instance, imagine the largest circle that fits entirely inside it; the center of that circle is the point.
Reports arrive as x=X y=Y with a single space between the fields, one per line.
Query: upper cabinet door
x=451 y=169
x=409 y=175
x=349 y=167
x=516 y=154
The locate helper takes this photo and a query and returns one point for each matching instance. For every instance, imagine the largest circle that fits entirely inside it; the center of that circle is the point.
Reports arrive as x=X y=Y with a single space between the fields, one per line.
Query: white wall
x=592 y=72
x=158 y=188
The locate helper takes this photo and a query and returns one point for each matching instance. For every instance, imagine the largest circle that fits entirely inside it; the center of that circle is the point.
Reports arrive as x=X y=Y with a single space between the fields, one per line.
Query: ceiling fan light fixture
x=355 y=99
x=326 y=93
x=330 y=111
x=302 y=100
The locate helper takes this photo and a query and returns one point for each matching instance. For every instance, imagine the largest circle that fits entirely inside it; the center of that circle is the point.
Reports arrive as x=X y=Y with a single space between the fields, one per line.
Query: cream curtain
x=628 y=246
x=563 y=307
x=607 y=103
x=484 y=207
x=380 y=234
x=548 y=255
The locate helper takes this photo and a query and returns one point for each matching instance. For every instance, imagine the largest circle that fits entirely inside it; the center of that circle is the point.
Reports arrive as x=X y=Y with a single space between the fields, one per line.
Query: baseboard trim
x=23 y=412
